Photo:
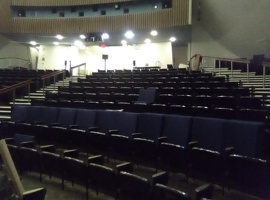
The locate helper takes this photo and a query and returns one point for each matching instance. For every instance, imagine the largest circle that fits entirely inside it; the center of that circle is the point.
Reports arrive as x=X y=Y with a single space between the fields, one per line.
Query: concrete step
x=5 y=117
x=5 y=107
x=5 y=112
x=35 y=97
x=20 y=103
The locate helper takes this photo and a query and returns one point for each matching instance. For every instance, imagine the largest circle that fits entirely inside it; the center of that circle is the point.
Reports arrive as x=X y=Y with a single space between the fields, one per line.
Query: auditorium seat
x=173 y=151
x=149 y=127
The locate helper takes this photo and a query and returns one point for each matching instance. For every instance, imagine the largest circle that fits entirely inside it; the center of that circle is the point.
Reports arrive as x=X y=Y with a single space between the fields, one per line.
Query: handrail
x=53 y=74
x=231 y=60
x=15 y=86
x=45 y=76
x=77 y=66
x=265 y=64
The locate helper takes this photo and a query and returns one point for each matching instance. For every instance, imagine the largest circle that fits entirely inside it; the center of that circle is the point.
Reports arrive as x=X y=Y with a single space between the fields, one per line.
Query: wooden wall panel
x=176 y=16
x=61 y=2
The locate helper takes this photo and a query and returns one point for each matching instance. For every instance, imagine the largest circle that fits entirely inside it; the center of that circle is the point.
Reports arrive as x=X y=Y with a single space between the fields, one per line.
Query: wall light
x=147 y=41
x=56 y=43
x=82 y=37
x=124 y=42
x=105 y=36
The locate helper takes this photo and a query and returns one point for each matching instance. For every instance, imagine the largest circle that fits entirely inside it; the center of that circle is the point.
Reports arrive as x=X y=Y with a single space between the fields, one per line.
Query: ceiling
x=181 y=33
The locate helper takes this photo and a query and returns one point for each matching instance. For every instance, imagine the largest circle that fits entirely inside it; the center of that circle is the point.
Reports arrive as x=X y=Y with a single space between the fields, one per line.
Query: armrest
x=55 y=124
x=74 y=126
x=113 y=132
x=38 y=122
x=37 y=194
x=162 y=139
x=77 y=130
x=9 y=140
x=29 y=144
x=138 y=135
x=92 y=128
x=98 y=159
x=126 y=167
x=228 y=151
x=204 y=191
x=161 y=177
x=73 y=153
x=193 y=144
x=48 y=148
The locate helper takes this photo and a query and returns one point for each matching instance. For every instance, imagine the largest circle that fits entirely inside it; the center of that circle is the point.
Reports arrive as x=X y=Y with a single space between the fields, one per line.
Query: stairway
x=251 y=80
x=5 y=110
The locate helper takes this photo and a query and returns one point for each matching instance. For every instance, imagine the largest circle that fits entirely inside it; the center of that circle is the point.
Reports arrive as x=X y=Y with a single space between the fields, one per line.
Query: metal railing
x=54 y=75
x=236 y=60
x=16 y=86
x=265 y=64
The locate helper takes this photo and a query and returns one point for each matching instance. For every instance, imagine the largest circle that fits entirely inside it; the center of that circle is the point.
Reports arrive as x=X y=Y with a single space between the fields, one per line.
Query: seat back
x=50 y=115
x=85 y=118
x=177 y=129
x=245 y=136
x=106 y=120
x=133 y=187
x=147 y=95
x=66 y=116
x=126 y=123
x=150 y=125
x=208 y=132
x=19 y=138
x=34 y=113
x=19 y=112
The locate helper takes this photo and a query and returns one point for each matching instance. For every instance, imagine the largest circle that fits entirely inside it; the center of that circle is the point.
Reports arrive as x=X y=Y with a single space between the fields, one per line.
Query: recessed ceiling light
x=56 y=43
x=153 y=32
x=124 y=42
x=59 y=37
x=33 y=43
x=129 y=34
x=105 y=36
x=82 y=37
x=147 y=41
x=172 y=39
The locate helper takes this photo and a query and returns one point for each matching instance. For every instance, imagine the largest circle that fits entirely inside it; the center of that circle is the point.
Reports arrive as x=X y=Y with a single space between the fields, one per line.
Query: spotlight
x=129 y=34
x=172 y=39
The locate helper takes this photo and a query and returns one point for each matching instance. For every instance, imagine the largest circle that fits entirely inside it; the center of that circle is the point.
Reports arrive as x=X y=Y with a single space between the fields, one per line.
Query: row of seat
x=119 y=181
x=196 y=146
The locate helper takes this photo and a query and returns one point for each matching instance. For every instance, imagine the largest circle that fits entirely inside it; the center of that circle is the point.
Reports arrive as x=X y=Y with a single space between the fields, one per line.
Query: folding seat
x=19 y=114
x=146 y=96
x=98 y=140
x=173 y=150
x=58 y=131
x=183 y=99
x=224 y=113
x=75 y=170
x=225 y=91
x=41 y=128
x=249 y=175
x=133 y=187
x=120 y=139
x=145 y=143
x=203 y=100
x=225 y=101
x=208 y=154
x=21 y=140
x=184 y=90
x=85 y=121
x=248 y=114
x=29 y=159
x=250 y=102
x=246 y=137
x=165 y=98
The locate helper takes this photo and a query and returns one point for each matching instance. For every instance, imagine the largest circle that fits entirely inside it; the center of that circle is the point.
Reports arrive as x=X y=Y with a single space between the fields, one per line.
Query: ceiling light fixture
x=172 y=39
x=59 y=37
x=105 y=36
x=154 y=33
x=33 y=43
x=82 y=37
x=124 y=42
x=147 y=41
x=129 y=34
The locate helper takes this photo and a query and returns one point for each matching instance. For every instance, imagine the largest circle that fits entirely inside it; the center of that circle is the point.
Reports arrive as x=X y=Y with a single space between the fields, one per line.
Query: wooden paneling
x=176 y=16
x=61 y=2
x=5 y=16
